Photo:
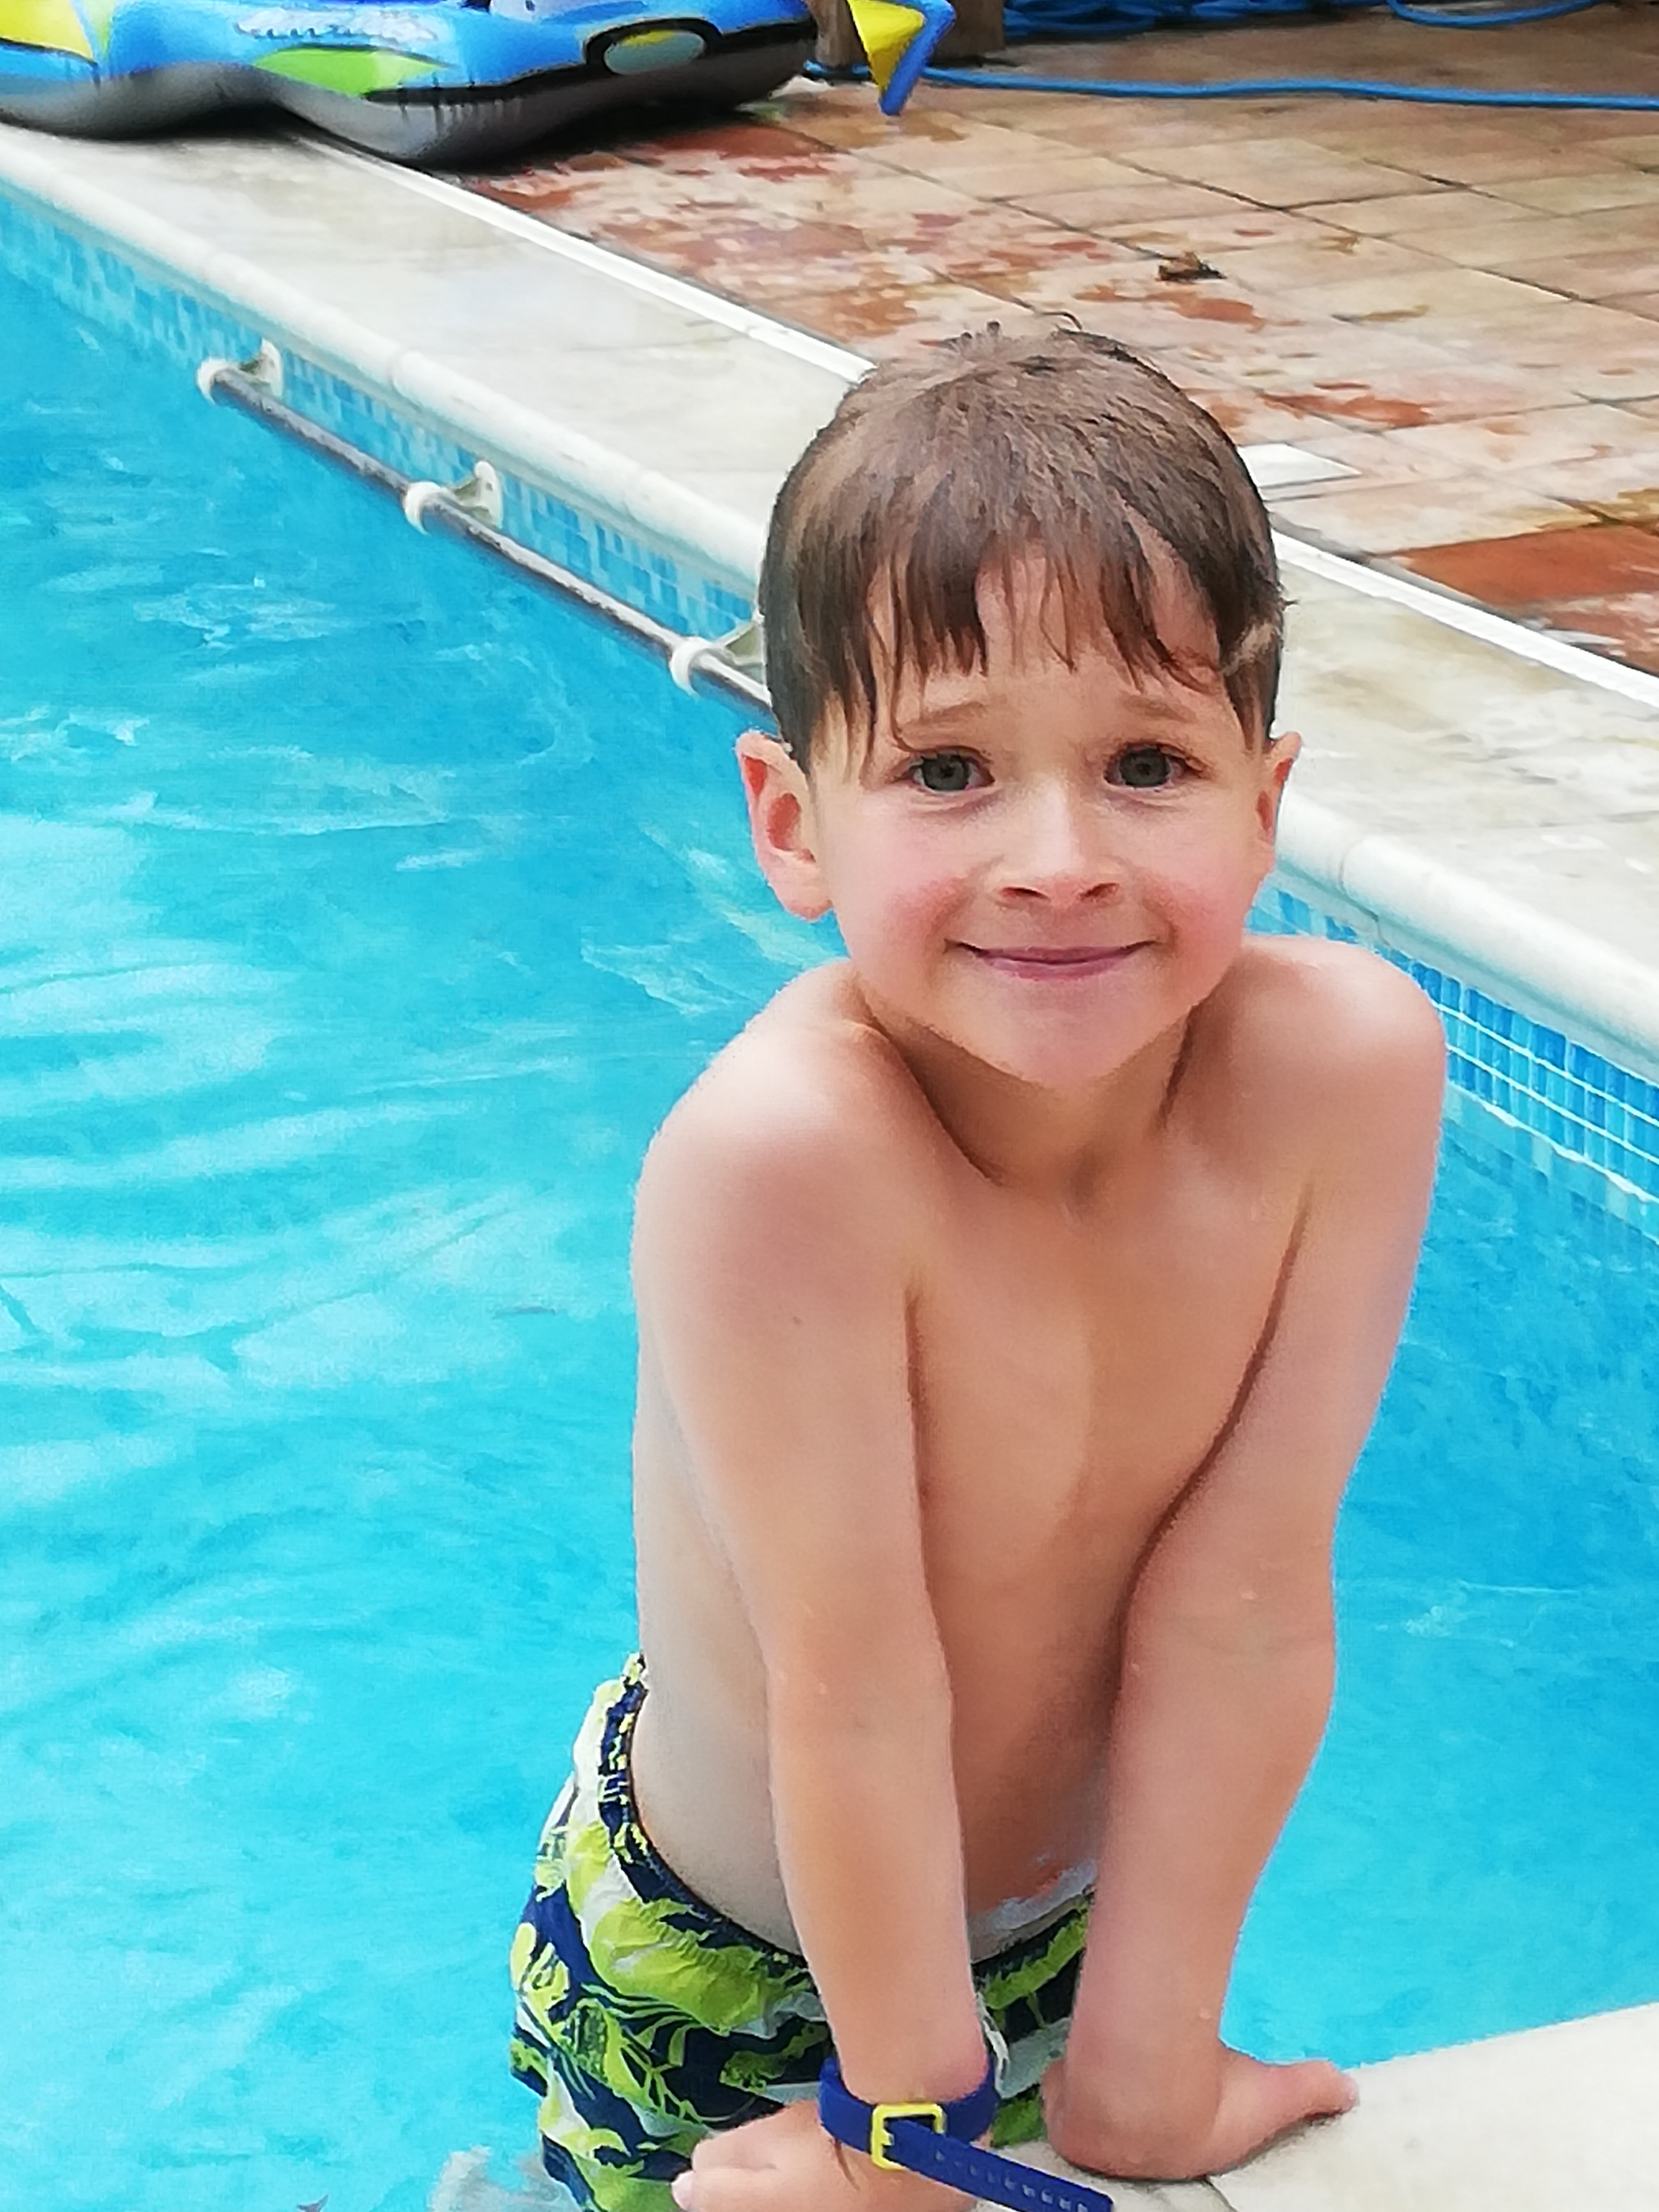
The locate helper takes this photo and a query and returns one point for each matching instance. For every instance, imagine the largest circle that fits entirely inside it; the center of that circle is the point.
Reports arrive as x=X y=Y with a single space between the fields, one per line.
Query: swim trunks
x=645 y=2020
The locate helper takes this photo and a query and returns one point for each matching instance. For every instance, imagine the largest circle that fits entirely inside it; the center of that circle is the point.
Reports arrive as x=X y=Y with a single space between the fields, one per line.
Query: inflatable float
x=418 y=81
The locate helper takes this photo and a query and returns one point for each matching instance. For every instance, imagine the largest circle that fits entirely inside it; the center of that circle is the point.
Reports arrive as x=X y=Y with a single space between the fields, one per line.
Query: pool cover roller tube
x=418 y=81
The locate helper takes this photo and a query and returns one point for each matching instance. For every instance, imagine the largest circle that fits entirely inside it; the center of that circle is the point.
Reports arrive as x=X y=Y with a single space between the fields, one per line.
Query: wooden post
x=977 y=32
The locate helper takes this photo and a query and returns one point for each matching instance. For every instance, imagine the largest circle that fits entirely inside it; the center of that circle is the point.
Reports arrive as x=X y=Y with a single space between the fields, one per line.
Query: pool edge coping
x=1425 y=2117
x=542 y=449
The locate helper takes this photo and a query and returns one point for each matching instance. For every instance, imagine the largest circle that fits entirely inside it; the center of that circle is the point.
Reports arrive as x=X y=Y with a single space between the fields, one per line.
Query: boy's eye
x=945 y=773
x=1145 y=768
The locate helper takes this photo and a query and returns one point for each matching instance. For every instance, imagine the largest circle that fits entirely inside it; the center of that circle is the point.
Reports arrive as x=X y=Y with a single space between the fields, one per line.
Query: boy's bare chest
x=1070 y=1378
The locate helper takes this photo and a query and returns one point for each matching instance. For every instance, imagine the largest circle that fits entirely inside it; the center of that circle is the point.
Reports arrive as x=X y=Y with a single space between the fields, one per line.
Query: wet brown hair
x=933 y=476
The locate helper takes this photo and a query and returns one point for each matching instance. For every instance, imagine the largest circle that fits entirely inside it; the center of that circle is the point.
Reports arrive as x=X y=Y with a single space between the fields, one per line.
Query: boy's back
x=1013 y=1298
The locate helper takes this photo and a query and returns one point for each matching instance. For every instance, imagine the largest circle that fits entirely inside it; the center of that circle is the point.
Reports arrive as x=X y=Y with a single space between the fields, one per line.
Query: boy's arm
x=771 y=1262
x=1227 y=1660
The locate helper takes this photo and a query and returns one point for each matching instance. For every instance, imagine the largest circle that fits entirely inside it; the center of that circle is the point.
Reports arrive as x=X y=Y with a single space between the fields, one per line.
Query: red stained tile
x=891 y=234
x=1250 y=420
x=1339 y=399
x=735 y=139
x=1138 y=287
x=1000 y=242
x=898 y=320
x=507 y=182
x=1626 y=625
x=1545 y=567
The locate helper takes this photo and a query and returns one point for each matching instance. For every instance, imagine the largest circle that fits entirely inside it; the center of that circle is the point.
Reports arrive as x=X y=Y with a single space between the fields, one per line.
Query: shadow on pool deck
x=1460 y=306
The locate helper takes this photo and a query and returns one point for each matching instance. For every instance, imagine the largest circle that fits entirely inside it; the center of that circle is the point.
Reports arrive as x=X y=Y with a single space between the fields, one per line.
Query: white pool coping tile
x=622 y=269
x=609 y=391
x=1478 y=795
x=1126 y=2195
x=1557 y=2119
x=1277 y=467
x=1553 y=2119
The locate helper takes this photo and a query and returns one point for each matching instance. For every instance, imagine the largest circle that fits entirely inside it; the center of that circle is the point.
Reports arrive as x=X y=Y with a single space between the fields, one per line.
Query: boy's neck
x=1062 y=1147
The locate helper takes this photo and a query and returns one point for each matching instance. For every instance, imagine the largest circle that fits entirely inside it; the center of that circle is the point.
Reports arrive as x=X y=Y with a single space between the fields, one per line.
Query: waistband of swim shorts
x=617 y=1708
x=608 y=1736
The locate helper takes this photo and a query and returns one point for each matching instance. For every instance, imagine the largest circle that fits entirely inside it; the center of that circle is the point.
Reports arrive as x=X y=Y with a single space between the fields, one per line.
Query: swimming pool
x=364 y=913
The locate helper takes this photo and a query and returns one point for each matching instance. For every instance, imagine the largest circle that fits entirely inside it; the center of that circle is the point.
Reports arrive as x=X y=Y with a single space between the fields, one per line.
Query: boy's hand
x=1254 y=2103
x=786 y=2163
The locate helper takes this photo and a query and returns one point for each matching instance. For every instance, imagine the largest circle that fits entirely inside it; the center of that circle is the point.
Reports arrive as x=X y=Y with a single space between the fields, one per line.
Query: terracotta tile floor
x=1459 y=305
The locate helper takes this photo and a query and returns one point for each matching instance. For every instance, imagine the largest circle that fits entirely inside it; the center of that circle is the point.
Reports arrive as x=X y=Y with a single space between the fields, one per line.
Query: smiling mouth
x=1055 y=963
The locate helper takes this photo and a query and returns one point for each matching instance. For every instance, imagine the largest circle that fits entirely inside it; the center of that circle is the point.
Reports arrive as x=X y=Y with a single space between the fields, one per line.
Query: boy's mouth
x=1052 y=962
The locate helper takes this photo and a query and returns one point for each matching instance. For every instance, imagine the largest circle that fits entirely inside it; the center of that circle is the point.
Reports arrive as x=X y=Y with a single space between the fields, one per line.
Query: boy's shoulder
x=809 y=1109
x=1315 y=1036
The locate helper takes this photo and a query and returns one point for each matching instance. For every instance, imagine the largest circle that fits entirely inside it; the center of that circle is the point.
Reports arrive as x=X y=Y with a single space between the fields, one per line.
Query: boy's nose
x=1058 y=845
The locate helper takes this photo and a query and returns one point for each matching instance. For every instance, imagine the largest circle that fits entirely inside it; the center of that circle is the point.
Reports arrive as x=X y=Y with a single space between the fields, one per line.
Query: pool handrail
x=471 y=510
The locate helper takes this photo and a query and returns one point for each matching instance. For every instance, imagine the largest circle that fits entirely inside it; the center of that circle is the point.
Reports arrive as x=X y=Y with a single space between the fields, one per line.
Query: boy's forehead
x=1037 y=626
x=1001 y=705
x=1075 y=706
x=1032 y=609
x=1032 y=622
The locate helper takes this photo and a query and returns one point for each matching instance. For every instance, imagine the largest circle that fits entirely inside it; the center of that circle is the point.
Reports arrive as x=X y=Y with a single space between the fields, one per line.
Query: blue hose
x=1442 y=22
x=1257 y=87
x=1111 y=18
x=1097 y=19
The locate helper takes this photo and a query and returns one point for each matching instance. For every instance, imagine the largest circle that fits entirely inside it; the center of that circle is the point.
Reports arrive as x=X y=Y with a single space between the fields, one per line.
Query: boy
x=1014 y=1298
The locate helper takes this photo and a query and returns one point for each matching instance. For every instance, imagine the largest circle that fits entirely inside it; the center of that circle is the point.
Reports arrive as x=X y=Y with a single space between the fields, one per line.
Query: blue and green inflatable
x=424 y=81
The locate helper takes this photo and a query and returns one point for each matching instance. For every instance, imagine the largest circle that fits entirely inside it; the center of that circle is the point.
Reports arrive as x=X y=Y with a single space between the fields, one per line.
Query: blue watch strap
x=938 y=2141
x=867 y=2127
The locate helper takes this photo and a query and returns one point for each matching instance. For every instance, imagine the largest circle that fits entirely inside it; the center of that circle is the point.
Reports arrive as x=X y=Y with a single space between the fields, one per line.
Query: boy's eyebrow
x=929 y=723
x=938 y=720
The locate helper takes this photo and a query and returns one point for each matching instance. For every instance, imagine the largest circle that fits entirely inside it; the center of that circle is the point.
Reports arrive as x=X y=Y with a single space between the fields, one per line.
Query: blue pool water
x=363 y=914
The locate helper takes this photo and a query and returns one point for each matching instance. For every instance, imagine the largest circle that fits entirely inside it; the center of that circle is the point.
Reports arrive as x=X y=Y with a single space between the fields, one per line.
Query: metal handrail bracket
x=472 y=510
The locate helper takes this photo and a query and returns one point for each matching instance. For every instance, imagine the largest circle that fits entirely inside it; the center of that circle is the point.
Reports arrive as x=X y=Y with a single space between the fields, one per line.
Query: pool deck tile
x=1390 y=518
x=1398 y=268
x=1600 y=587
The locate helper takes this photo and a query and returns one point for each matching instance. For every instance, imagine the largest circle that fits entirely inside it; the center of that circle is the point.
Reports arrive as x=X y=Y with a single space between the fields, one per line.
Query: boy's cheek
x=1217 y=913
x=895 y=891
x=884 y=934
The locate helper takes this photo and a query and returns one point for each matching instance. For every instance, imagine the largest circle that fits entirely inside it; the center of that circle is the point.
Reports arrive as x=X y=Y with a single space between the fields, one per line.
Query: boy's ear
x=1278 y=759
x=782 y=824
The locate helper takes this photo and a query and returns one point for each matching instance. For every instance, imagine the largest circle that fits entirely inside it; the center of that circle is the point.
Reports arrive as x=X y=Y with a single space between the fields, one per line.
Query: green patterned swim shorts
x=645 y=2020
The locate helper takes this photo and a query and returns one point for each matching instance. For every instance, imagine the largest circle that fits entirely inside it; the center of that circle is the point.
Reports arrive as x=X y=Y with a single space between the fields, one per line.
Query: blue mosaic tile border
x=96 y=283
x=648 y=578
x=1577 y=1117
